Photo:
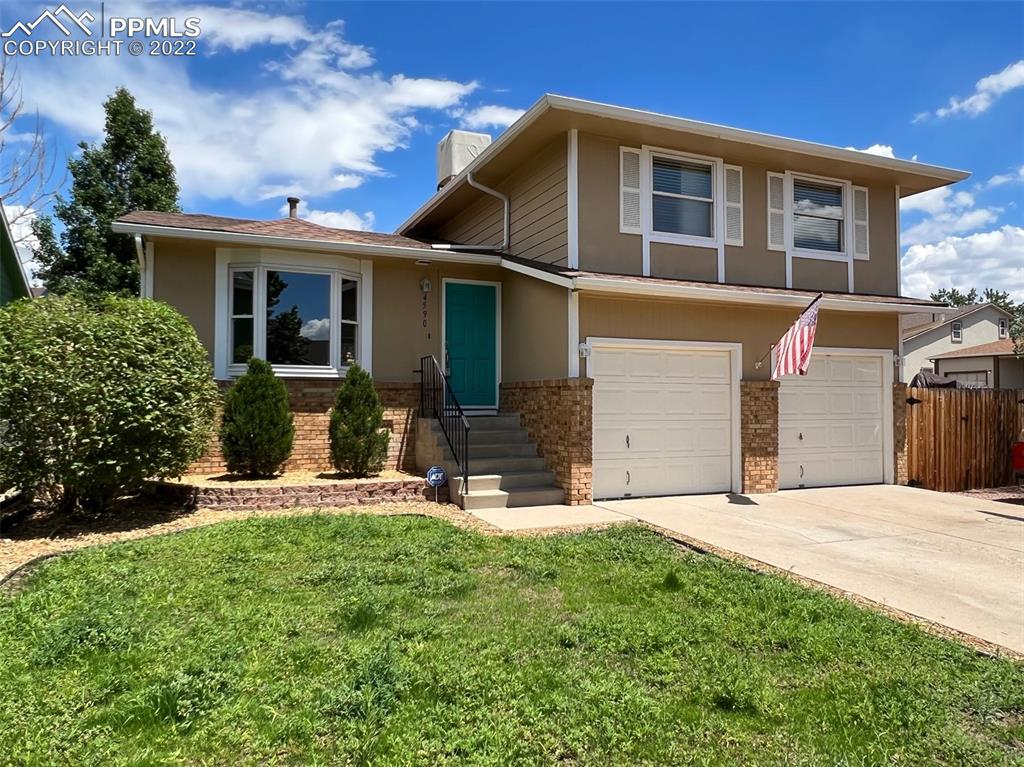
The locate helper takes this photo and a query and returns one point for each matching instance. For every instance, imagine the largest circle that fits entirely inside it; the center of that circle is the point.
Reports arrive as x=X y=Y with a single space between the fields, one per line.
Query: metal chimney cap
x=293 y=207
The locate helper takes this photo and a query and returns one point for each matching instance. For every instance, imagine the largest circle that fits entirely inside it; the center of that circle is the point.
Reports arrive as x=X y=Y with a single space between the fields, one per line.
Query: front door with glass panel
x=471 y=342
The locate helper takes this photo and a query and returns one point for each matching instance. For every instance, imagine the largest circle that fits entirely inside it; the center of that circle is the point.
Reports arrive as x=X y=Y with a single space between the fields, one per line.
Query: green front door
x=471 y=342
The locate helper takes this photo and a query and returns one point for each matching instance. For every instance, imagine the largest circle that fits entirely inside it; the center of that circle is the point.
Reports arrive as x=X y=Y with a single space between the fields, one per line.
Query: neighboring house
x=969 y=343
x=615 y=277
x=13 y=279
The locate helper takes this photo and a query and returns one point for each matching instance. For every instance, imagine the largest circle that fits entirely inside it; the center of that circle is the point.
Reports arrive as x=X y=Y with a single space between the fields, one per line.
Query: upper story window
x=296 y=319
x=957 y=332
x=682 y=197
x=1004 y=328
x=817 y=216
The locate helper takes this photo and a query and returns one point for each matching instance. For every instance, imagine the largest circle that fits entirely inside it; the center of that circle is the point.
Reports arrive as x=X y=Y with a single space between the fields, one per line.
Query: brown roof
x=295 y=228
x=993 y=349
x=809 y=294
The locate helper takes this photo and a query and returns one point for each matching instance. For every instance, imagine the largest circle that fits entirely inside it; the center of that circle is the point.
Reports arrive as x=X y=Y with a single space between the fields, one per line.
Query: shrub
x=256 y=431
x=97 y=396
x=359 y=443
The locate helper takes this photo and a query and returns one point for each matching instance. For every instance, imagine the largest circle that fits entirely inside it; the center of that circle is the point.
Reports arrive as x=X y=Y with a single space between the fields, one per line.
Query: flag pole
x=771 y=348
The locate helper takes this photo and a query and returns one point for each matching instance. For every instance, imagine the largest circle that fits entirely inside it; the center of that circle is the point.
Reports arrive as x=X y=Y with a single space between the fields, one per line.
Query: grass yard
x=391 y=641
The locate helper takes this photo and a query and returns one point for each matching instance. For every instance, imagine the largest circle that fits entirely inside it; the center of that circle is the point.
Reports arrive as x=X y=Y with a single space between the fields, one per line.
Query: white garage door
x=662 y=420
x=831 y=428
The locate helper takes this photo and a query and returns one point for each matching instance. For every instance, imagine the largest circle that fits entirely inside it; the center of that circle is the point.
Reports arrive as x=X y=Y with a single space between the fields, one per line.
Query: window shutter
x=776 y=211
x=629 y=190
x=733 y=205
x=860 y=223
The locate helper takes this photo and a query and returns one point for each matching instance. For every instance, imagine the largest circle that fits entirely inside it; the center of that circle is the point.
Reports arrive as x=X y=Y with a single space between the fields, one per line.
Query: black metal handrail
x=437 y=400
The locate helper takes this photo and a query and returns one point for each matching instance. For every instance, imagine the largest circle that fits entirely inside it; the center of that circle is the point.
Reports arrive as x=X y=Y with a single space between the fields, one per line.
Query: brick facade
x=311 y=401
x=759 y=435
x=557 y=414
x=291 y=496
x=899 y=433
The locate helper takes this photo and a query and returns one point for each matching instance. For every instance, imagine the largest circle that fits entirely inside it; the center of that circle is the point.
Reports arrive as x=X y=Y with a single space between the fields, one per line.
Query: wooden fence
x=960 y=439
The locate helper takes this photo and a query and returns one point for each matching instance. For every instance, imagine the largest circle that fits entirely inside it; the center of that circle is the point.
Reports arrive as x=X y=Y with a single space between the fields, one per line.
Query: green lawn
x=386 y=641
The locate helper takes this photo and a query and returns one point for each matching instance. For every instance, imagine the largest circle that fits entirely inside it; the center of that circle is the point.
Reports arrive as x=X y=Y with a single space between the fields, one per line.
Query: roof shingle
x=999 y=348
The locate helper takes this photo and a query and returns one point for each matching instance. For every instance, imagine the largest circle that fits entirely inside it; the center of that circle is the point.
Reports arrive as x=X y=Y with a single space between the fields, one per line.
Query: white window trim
x=715 y=242
x=261 y=259
x=1003 y=327
x=956 y=332
x=846 y=255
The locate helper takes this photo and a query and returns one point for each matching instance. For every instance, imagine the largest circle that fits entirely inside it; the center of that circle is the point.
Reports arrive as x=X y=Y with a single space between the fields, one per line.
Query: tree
x=130 y=170
x=359 y=442
x=27 y=165
x=97 y=396
x=954 y=297
x=257 y=430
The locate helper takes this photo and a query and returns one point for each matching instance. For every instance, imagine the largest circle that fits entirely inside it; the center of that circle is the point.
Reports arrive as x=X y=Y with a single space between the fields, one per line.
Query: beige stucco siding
x=534 y=325
x=603 y=248
x=680 y=262
x=407 y=322
x=755 y=328
x=184 y=277
x=537 y=210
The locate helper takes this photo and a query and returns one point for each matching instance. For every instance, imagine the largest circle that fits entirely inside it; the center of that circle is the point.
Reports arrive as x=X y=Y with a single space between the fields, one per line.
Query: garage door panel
x=830 y=422
x=676 y=406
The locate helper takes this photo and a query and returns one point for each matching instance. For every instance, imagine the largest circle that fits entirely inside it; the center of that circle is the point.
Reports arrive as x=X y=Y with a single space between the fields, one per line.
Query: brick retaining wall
x=557 y=414
x=291 y=496
x=311 y=401
x=759 y=435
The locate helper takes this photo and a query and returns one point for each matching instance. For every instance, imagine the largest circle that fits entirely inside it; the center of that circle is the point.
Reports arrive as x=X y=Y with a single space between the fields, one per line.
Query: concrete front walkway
x=950 y=559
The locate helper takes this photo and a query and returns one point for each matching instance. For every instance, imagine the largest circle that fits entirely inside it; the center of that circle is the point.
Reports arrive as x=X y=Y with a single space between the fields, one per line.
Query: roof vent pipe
x=293 y=207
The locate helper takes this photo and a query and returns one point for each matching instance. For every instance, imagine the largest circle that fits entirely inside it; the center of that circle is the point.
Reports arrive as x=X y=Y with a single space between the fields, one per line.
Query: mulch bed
x=1013 y=494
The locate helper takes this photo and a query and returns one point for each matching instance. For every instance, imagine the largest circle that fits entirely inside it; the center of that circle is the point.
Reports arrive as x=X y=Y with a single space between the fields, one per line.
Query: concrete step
x=487 y=436
x=507 y=499
x=505 y=464
x=501 y=450
x=500 y=421
x=511 y=480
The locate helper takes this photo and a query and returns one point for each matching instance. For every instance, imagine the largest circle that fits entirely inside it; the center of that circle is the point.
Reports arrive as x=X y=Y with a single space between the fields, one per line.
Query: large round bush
x=97 y=396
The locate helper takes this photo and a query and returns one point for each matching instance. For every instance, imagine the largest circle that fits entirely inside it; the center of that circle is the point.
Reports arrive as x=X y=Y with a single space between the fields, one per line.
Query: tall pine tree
x=130 y=170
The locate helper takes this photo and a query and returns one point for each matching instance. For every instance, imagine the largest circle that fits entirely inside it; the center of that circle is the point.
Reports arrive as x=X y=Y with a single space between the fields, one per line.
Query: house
x=604 y=286
x=970 y=343
x=13 y=279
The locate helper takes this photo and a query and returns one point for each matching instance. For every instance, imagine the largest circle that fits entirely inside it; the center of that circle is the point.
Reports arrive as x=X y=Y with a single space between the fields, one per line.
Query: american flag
x=793 y=351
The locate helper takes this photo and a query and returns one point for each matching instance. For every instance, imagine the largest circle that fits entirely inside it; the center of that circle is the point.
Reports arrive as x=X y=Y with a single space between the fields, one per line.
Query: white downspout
x=507 y=223
x=140 y=252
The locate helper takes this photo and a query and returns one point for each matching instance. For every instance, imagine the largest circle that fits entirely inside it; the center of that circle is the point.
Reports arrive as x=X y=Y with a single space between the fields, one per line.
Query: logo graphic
x=54 y=17
x=436 y=476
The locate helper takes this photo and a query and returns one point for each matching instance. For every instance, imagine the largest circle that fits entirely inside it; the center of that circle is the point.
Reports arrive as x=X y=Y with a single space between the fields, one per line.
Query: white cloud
x=488 y=116
x=312 y=120
x=342 y=219
x=986 y=259
x=947 y=212
x=1006 y=178
x=316 y=330
x=882 y=150
x=986 y=91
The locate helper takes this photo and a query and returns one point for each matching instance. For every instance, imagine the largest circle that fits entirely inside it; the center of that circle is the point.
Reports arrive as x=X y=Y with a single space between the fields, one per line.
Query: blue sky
x=343 y=103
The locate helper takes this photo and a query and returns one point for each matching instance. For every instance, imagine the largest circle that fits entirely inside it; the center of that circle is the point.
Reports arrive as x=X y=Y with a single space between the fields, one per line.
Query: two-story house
x=970 y=344
x=603 y=287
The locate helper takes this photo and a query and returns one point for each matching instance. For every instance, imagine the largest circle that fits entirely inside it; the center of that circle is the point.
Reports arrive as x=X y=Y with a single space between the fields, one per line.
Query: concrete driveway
x=951 y=559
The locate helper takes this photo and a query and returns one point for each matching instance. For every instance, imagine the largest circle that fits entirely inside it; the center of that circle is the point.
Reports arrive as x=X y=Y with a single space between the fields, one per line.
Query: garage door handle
x=800 y=436
x=627 y=440
x=801 y=471
x=627 y=477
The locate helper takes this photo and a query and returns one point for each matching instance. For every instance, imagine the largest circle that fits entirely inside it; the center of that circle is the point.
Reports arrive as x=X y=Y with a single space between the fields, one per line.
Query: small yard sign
x=436 y=476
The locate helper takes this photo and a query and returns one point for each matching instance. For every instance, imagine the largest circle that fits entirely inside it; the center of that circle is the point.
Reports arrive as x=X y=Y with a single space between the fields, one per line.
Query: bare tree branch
x=28 y=167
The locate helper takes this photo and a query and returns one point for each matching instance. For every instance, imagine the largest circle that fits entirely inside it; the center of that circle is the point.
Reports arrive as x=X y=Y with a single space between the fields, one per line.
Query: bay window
x=298 y=319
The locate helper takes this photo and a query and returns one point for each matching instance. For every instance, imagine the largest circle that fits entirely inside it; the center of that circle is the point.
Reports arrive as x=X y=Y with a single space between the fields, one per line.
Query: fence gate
x=960 y=439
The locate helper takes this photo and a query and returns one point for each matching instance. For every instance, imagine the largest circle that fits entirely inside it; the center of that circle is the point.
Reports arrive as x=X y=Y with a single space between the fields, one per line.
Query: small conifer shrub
x=256 y=431
x=359 y=442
